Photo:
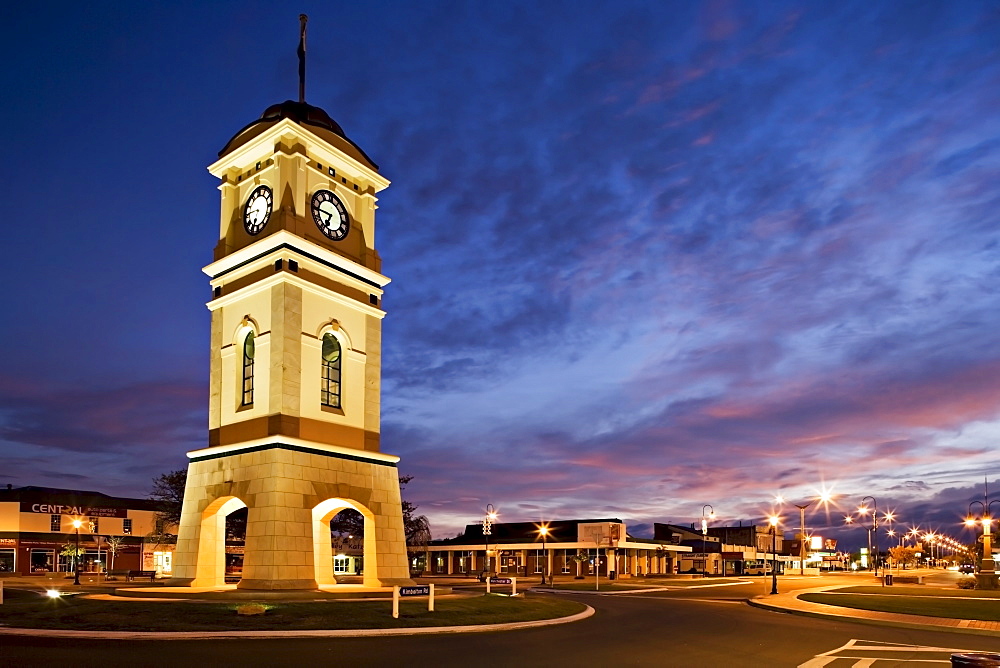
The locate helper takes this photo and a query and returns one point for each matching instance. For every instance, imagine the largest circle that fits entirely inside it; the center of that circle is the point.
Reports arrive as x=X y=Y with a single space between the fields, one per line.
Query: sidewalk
x=792 y=604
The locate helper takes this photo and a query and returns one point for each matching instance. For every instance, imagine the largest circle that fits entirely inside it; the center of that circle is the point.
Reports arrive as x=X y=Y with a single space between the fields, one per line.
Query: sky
x=645 y=256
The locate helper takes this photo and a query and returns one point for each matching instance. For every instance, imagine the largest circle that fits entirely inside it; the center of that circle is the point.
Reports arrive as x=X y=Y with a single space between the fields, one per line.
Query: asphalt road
x=685 y=627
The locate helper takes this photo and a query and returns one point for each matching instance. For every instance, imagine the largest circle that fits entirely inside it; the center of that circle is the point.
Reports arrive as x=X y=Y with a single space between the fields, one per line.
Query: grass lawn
x=920 y=591
x=31 y=610
x=954 y=608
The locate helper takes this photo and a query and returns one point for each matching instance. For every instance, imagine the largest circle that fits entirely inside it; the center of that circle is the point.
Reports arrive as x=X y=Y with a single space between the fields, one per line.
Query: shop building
x=726 y=550
x=36 y=526
x=570 y=547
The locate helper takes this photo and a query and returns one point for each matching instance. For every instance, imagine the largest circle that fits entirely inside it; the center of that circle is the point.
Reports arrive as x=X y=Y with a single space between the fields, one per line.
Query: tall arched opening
x=211 y=563
x=322 y=513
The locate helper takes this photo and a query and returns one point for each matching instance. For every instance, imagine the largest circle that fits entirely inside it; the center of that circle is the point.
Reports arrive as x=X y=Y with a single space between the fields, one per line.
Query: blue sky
x=645 y=256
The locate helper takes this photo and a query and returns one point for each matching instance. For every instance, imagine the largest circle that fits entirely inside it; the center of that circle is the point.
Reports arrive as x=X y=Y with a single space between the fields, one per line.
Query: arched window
x=248 y=353
x=330 y=382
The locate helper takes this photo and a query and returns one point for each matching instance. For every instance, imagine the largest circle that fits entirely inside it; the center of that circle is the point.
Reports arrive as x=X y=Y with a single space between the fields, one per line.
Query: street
x=690 y=626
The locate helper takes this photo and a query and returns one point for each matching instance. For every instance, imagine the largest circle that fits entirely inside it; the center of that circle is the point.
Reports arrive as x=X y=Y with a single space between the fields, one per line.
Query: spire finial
x=302 y=57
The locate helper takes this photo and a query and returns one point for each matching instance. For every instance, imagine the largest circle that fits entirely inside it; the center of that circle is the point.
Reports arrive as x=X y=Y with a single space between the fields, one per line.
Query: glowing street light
x=76 y=557
x=543 y=532
x=987 y=571
x=704 y=532
x=491 y=516
x=773 y=521
x=824 y=498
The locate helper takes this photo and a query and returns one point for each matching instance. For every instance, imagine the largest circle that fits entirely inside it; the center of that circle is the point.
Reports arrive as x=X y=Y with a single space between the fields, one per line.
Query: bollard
x=430 y=601
x=513 y=586
x=487 y=584
x=395 y=602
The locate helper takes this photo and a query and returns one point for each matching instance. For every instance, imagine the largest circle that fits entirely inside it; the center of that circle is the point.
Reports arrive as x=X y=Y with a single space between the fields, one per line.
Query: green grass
x=952 y=608
x=920 y=591
x=30 y=610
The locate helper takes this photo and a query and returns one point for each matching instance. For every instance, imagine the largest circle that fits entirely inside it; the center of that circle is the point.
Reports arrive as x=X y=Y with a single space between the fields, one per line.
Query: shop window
x=330 y=381
x=248 y=357
x=163 y=562
x=6 y=561
x=127 y=526
x=341 y=564
x=95 y=525
x=55 y=523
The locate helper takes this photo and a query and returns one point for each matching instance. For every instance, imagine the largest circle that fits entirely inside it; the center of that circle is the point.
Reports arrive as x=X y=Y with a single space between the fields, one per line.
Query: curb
x=341 y=633
x=846 y=616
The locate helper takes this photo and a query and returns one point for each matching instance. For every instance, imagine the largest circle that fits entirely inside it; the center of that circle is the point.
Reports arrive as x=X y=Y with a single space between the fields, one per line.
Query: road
x=704 y=626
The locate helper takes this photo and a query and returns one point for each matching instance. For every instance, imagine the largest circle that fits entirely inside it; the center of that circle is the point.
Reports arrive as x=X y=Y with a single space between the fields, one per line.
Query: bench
x=140 y=574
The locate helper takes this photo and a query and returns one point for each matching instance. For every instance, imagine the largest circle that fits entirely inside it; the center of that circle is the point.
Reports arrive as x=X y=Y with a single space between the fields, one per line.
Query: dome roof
x=300 y=112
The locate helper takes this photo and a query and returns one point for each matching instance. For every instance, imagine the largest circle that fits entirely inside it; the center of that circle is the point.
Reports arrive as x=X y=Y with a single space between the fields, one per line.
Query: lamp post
x=987 y=578
x=873 y=532
x=543 y=531
x=491 y=515
x=704 y=532
x=76 y=556
x=773 y=521
x=824 y=498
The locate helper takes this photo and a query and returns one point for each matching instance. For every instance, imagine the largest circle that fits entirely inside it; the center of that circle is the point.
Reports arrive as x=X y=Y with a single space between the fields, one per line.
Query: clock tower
x=296 y=336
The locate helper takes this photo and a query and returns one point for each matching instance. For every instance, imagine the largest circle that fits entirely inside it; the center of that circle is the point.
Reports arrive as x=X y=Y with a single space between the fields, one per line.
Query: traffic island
x=32 y=610
x=949 y=610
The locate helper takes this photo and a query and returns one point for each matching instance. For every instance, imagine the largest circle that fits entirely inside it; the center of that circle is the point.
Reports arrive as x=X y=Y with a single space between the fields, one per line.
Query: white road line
x=818 y=662
x=864 y=663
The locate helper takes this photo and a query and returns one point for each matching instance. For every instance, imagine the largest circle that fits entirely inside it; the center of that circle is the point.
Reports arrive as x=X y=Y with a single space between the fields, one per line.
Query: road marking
x=856 y=649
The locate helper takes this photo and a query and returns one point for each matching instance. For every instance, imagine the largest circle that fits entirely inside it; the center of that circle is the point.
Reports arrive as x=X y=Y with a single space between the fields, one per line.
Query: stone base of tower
x=292 y=489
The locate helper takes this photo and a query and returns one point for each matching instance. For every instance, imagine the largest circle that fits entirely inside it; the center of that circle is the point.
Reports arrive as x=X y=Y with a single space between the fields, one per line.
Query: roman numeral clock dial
x=257 y=210
x=329 y=214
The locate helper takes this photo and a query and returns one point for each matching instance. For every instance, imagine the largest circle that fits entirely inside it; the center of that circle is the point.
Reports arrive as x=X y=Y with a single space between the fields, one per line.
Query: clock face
x=257 y=210
x=330 y=215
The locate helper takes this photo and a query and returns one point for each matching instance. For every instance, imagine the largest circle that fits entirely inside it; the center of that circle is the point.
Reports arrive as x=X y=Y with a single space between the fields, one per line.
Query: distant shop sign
x=79 y=511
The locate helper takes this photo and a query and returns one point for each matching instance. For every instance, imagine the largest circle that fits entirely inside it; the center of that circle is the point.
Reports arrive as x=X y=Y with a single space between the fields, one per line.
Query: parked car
x=966 y=568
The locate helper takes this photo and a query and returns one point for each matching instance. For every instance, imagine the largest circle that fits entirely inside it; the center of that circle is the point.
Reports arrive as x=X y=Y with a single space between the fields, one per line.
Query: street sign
x=500 y=581
x=424 y=590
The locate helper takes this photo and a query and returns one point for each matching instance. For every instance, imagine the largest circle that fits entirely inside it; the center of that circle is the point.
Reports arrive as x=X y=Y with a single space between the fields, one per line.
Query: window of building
x=55 y=523
x=94 y=524
x=163 y=562
x=341 y=564
x=127 y=526
x=539 y=560
x=248 y=355
x=330 y=382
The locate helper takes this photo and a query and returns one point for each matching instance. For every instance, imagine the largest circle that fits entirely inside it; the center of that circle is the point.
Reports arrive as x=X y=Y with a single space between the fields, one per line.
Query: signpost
x=502 y=581
x=418 y=590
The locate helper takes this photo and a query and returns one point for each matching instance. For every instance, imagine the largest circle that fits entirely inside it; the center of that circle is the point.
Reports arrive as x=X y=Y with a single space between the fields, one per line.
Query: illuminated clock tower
x=296 y=353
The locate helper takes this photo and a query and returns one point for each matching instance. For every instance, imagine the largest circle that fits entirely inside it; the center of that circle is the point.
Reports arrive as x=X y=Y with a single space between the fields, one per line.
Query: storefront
x=570 y=547
x=47 y=530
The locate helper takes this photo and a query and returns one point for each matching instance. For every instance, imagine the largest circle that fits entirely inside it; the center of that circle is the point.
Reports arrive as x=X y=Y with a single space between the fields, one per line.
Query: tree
x=168 y=492
x=73 y=552
x=903 y=555
x=114 y=546
x=416 y=527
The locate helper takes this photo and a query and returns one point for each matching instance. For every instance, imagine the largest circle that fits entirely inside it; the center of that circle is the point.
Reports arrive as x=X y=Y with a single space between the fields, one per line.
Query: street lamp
x=773 y=521
x=491 y=516
x=824 y=498
x=704 y=532
x=872 y=533
x=76 y=556
x=543 y=531
x=987 y=571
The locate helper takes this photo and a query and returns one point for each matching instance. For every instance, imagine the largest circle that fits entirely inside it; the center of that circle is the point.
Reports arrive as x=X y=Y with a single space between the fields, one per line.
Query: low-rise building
x=570 y=547
x=37 y=535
